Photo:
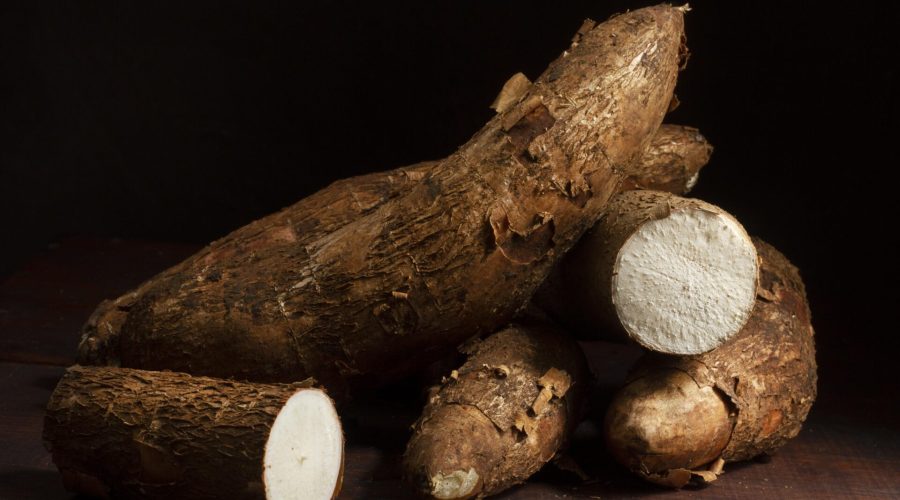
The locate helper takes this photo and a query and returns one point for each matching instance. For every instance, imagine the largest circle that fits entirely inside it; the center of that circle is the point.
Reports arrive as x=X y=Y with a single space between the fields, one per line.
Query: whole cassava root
x=123 y=433
x=676 y=275
x=455 y=256
x=746 y=398
x=671 y=162
x=501 y=416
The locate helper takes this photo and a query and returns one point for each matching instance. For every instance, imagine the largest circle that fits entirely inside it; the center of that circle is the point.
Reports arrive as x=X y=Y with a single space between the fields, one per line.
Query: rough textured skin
x=579 y=292
x=125 y=433
x=318 y=215
x=672 y=162
x=503 y=414
x=766 y=376
x=456 y=256
x=664 y=420
x=675 y=154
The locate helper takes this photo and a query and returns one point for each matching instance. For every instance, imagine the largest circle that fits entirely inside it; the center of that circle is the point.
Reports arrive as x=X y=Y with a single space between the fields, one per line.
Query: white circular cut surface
x=305 y=449
x=685 y=283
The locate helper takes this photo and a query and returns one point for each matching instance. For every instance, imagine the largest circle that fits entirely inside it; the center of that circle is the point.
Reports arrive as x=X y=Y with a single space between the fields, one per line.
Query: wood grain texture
x=848 y=448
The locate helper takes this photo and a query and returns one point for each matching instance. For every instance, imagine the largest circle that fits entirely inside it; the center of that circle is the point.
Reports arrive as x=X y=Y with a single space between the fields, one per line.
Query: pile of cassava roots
x=562 y=219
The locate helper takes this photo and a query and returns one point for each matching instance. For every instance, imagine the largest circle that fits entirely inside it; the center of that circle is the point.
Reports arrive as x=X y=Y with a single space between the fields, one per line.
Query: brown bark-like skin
x=504 y=413
x=578 y=294
x=123 y=433
x=318 y=215
x=456 y=256
x=664 y=420
x=765 y=376
x=672 y=162
x=674 y=155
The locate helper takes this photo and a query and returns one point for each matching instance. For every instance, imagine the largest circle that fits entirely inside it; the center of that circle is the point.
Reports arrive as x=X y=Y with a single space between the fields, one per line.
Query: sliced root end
x=685 y=283
x=305 y=451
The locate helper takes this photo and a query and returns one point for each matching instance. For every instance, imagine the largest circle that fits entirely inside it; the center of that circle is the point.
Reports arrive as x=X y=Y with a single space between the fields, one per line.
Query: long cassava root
x=123 y=433
x=501 y=416
x=671 y=162
x=676 y=275
x=746 y=398
x=454 y=257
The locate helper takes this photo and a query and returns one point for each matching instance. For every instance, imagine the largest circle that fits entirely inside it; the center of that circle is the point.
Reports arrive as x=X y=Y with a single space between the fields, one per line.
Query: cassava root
x=123 y=433
x=377 y=275
x=676 y=275
x=672 y=161
x=455 y=256
x=746 y=398
x=501 y=416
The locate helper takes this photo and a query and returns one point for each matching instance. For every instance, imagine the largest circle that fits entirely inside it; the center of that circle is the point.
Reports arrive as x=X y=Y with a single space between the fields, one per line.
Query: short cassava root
x=672 y=161
x=123 y=433
x=676 y=275
x=746 y=398
x=501 y=416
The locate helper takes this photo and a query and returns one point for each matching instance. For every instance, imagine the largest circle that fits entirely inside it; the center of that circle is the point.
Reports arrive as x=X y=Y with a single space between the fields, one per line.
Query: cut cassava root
x=677 y=275
x=746 y=398
x=123 y=433
x=454 y=257
x=501 y=416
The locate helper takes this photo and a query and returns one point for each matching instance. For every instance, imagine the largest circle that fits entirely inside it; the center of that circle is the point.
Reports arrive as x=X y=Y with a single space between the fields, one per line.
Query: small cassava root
x=124 y=433
x=672 y=161
x=455 y=256
x=746 y=398
x=501 y=416
x=676 y=275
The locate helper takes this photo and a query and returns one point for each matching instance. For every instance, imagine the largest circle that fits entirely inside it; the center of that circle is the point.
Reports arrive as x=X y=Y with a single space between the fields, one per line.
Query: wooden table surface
x=849 y=448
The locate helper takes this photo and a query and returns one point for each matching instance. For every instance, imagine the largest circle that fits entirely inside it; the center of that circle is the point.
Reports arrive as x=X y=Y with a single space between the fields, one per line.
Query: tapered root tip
x=449 y=453
x=100 y=335
x=666 y=421
x=457 y=484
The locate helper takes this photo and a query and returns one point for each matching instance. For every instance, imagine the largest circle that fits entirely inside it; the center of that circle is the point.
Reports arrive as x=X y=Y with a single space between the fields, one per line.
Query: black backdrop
x=179 y=121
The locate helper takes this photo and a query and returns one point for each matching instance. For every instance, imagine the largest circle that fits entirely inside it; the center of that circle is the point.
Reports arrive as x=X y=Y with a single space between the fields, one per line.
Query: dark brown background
x=179 y=121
